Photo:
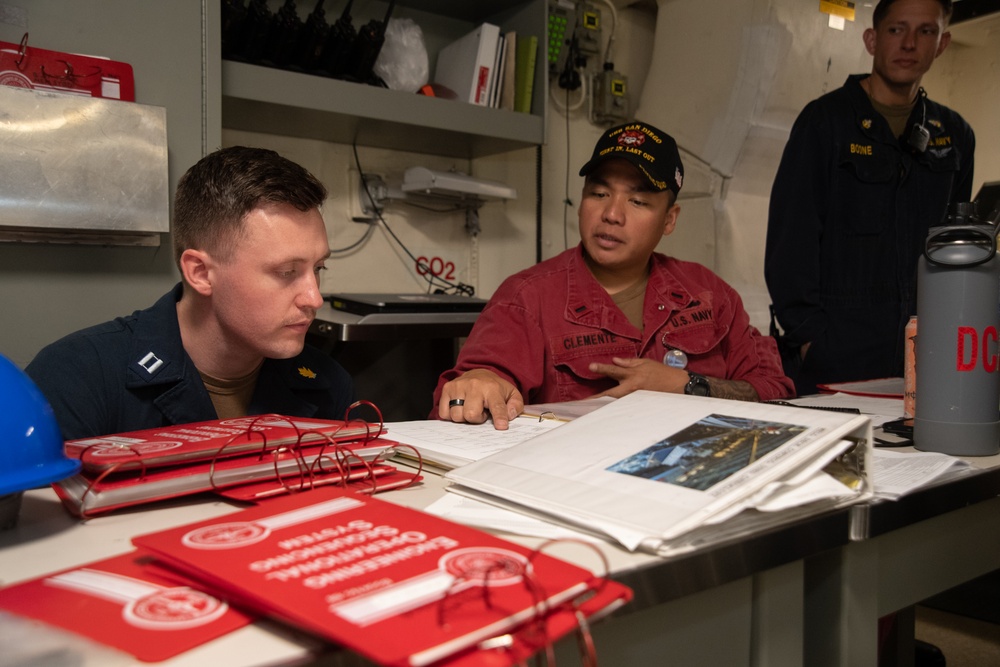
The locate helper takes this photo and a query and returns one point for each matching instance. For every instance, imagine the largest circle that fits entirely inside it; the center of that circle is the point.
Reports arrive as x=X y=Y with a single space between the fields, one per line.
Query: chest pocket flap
x=574 y=351
x=866 y=162
x=693 y=330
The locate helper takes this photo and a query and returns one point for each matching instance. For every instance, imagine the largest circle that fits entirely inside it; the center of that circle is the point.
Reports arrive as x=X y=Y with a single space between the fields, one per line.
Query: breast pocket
x=861 y=189
x=572 y=355
x=696 y=342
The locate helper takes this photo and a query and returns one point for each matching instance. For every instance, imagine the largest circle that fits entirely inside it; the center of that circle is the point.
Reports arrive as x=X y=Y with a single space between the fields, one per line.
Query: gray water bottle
x=958 y=368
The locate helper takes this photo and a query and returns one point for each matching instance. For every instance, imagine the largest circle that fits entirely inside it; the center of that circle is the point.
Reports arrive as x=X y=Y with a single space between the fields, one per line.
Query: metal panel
x=82 y=163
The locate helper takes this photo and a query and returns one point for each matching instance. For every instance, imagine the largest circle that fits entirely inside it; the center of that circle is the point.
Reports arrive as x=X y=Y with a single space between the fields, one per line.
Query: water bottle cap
x=963 y=213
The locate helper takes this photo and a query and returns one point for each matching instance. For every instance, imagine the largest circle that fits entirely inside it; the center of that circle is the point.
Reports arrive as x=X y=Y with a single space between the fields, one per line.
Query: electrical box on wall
x=588 y=29
x=562 y=22
x=574 y=33
x=580 y=57
x=82 y=164
x=611 y=101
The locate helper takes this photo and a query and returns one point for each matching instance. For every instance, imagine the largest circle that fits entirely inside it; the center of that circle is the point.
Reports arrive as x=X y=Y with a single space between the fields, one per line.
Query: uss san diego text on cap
x=652 y=151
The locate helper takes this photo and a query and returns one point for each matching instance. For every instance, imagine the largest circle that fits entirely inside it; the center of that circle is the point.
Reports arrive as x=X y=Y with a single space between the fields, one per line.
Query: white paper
x=471 y=512
x=449 y=444
x=888 y=387
x=818 y=487
x=879 y=410
x=898 y=473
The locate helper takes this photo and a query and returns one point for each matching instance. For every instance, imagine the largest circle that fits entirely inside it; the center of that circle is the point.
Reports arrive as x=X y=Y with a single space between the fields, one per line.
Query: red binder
x=88 y=493
x=212 y=440
x=378 y=477
x=119 y=603
x=397 y=585
x=26 y=66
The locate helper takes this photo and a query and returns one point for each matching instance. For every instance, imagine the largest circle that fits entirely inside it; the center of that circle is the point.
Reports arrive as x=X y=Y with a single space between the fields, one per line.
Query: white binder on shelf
x=467 y=65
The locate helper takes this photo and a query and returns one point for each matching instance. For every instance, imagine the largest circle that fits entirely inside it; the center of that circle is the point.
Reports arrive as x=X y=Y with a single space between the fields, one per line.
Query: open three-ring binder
x=665 y=473
x=394 y=584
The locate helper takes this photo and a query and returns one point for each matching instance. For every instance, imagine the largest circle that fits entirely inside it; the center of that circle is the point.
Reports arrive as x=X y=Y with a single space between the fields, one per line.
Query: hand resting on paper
x=479 y=394
x=635 y=374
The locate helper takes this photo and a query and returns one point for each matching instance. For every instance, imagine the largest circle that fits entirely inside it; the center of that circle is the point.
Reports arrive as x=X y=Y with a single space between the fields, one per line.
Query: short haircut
x=217 y=193
x=882 y=8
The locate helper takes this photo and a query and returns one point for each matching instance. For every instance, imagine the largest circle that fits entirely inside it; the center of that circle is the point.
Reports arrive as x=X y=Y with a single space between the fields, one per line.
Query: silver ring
x=455 y=402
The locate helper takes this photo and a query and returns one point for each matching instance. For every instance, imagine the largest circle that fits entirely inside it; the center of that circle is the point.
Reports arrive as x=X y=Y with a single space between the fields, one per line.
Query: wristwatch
x=697 y=385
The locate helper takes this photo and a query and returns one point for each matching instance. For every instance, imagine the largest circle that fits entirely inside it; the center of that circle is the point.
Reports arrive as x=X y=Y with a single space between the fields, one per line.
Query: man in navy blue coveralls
x=229 y=340
x=858 y=187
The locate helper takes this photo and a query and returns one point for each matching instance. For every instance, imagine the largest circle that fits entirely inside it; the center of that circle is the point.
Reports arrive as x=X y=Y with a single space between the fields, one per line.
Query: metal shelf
x=274 y=101
x=263 y=99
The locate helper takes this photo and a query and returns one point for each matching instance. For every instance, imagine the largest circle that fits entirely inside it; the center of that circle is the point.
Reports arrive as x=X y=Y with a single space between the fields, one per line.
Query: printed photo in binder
x=708 y=451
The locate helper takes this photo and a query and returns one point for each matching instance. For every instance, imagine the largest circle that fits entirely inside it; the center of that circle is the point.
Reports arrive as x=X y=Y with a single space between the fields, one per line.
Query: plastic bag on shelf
x=403 y=62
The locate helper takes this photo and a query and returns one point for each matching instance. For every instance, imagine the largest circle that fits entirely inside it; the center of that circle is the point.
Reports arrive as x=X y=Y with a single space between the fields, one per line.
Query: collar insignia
x=150 y=363
x=866 y=123
x=307 y=373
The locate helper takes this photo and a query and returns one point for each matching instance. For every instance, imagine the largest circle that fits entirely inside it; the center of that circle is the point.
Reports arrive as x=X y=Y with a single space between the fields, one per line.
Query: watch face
x=697 y=386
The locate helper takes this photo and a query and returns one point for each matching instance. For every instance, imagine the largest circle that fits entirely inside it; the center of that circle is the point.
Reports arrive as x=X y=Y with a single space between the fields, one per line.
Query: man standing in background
x=867 y=170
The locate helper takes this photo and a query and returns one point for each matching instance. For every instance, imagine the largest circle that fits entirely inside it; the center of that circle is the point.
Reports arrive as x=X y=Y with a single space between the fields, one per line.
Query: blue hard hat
x=31 y=446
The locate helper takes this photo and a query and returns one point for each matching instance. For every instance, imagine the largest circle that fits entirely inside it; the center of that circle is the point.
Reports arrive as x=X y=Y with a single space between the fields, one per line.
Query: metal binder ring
x=22 y=50
x=455 y=402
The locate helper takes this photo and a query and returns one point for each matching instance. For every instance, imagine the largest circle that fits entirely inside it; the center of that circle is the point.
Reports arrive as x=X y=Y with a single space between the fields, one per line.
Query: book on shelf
x=120 y=603
x=466 y=66
x=508 y=72
x=524 y=76
x=87 y=493
x=394 y=584
x=210 y=440
x=651 y=468
x=496 y=74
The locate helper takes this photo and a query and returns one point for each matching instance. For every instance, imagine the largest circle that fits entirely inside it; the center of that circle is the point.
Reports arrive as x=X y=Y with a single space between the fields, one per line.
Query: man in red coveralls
x=612 y=315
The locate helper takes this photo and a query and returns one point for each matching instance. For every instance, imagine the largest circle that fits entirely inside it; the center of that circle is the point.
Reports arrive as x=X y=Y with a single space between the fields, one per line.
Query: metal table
x=902 y=552
x=736 y=603
x=805 y=593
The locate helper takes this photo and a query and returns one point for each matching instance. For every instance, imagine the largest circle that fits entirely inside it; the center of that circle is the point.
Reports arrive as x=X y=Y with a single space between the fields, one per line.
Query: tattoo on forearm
x=736 y=390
